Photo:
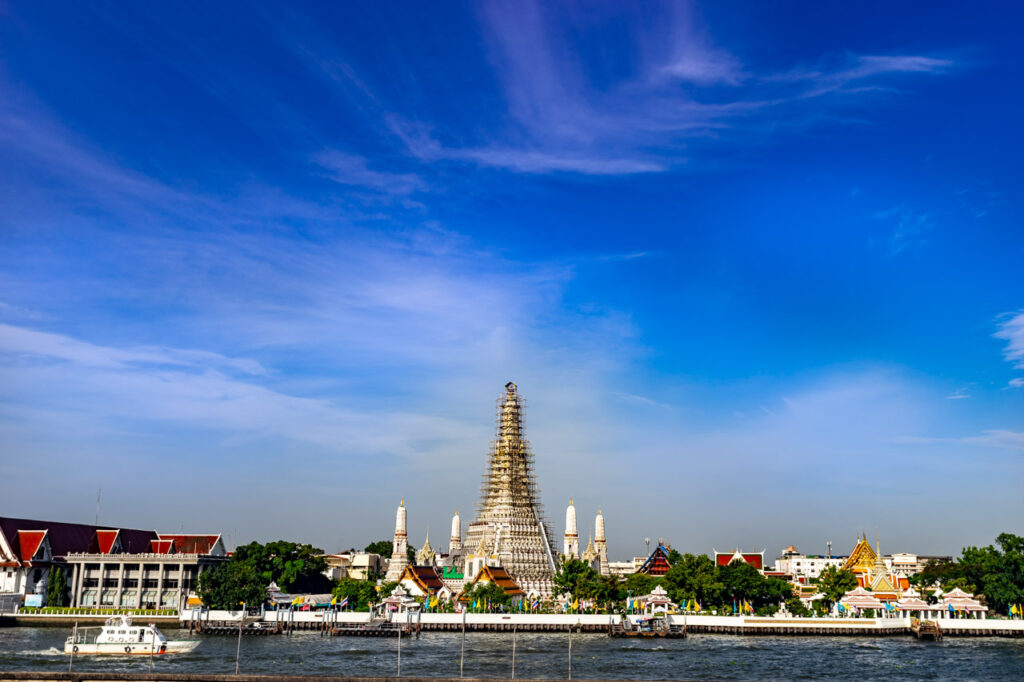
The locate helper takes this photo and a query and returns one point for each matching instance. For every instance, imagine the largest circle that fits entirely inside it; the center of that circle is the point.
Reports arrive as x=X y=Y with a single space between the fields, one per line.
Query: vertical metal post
x=74 y=643
x=570 y=652
x=462 y=656
x=513 y=651
x=238 y=649
x=399 y=649
x=152 y=646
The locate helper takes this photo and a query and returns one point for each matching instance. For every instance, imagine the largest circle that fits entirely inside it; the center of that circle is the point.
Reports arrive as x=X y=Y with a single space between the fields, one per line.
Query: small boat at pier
x=120 y=637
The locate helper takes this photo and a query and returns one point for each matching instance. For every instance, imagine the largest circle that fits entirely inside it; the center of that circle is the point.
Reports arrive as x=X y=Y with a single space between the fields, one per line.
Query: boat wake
x=52 y=651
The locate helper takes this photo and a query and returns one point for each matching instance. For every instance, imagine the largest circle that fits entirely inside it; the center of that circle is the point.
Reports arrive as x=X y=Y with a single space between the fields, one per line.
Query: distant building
x=105 y=566
x=805 y=568
x=755 y=559
x=112 y=575
x=657 y=563
x=354 y=565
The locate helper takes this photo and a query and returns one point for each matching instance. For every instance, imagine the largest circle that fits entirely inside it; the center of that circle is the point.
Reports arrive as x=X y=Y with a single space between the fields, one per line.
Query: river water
x=436 y=654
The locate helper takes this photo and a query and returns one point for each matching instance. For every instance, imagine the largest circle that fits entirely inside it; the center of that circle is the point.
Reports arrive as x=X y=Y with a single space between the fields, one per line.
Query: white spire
x=400 y=545
x=600 y=544
x=401 y=519
x=455 y=542
x=571 y=544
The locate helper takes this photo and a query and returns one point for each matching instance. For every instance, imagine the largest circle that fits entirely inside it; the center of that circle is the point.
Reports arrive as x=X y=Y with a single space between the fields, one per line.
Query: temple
x=399 y=546
x=510 y=523
x=571 y=543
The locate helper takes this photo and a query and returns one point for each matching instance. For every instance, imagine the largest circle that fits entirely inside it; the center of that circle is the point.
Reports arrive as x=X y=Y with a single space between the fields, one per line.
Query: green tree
x=694 y=576
x=833 y=583
x=638 y=584
x=381 y=547
x=57 y=593
x=294 y=567
x=386 y=547
x=230 y=584
x=575 y=577
x=360 y=593
x=489 y=593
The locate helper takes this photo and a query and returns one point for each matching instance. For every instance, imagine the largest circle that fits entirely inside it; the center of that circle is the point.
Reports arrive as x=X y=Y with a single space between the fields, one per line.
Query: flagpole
x=513 y=651
x=238 y=649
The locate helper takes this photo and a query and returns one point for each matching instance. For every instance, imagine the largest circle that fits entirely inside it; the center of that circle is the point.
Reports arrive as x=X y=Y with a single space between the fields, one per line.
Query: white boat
x=118 y=636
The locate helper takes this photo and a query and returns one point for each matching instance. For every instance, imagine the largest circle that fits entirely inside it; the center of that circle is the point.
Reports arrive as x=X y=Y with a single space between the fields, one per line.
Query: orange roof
x=162 y=546
x=192 y=544
x=500 y=577
x=425 y=577
x=105 y=540
x=29 y=541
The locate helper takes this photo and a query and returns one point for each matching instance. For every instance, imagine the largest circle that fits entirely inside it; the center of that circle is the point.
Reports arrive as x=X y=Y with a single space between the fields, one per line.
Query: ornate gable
x=862 y=558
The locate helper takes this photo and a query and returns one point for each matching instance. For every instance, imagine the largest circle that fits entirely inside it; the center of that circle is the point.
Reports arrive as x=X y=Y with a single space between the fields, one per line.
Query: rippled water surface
x=702 y=657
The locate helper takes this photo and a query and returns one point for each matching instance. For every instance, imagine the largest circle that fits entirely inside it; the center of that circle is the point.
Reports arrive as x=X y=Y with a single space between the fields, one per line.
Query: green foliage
x=489 y=593
x=230 y=584
x=381 y=547
x=360 y=593
x=385 y=547
x=638 y=584
x=834 y=583
x=574 y=576
x=694 y=576
x=294 y=567
x=995 y=572
x=796 y=607
x=57 y=592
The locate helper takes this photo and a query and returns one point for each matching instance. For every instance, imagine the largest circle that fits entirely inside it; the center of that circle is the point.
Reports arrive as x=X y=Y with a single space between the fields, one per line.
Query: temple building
x=510 y=525
x=425 y=556
x=657 y=564
x=871 y=570
x=590 y=556
x=755 y=559
x=601 y=544
x=455 y=542
x=571 y=543
x=399 y=546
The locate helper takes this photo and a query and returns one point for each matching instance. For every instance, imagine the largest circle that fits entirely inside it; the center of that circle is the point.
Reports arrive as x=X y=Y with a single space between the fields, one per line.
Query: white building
x=805 y=567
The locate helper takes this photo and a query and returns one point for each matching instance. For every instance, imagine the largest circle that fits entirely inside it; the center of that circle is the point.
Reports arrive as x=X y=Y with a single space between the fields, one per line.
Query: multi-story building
x=104 y=566
x=161 y=576
x=805 y=568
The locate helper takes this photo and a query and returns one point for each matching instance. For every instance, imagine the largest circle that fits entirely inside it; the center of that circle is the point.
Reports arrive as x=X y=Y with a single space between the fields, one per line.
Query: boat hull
x=134 y=649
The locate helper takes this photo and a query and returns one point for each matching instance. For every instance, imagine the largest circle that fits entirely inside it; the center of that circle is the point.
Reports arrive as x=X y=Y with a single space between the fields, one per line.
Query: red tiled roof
x=69 y=538
x=162 y=546
x=28 y=543
x=192 y=544
x=105 y=540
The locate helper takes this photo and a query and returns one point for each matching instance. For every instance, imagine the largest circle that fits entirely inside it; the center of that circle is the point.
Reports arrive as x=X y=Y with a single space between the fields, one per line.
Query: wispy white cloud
x=959 y=394
x=349 y=169
x=994 y=438
x=29 y=343
x=684 y=95
x=1011 y=330
x=908 y=228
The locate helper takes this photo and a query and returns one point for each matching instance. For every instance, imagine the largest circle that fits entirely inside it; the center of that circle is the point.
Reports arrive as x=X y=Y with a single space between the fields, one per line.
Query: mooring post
x=238 y=649
x=570 y=652
x=462 y=656
x=513 y=651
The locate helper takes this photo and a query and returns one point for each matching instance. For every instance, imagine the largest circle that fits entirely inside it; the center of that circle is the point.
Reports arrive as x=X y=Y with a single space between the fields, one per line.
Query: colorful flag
x=334 y=600
x=344 y=602
x=298 y=600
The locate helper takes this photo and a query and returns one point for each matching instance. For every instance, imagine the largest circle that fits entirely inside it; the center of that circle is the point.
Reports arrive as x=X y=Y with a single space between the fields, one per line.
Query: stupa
x=510 y=520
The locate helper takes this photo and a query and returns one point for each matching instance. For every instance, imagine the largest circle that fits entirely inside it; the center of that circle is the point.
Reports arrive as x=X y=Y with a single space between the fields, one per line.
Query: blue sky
x=756 y=268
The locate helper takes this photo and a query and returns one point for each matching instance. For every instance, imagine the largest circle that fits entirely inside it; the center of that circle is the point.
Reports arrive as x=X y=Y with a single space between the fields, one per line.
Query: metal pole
x=74 y=643
x=462 y=656
x=238 y=649
x=513 y=651
x=152 y=645
x=570 y=652
x=399 y=649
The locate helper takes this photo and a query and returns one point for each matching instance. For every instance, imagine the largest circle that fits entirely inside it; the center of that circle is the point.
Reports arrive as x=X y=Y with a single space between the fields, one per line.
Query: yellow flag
x=576 y=604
